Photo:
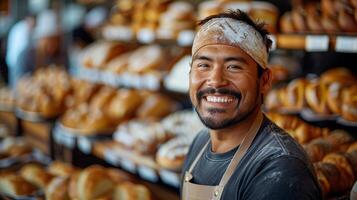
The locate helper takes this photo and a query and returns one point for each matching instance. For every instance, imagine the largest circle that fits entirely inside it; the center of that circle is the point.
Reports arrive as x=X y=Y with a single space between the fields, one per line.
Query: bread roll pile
x=45 y=92
x=298 y=129
x=106 y=107
x=326 y=16
x=257 y=10
x=333 y=153
x=167 y=140
x=61 y=181
x=179 y=16
x=337 y=172
x=333 y=93
x=98 y=54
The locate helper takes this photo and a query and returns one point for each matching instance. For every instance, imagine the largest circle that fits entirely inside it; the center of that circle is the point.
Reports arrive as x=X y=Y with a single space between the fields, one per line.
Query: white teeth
x=219 y=99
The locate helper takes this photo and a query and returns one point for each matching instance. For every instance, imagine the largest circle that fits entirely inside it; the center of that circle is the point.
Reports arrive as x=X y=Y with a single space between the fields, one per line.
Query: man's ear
x=266 y=80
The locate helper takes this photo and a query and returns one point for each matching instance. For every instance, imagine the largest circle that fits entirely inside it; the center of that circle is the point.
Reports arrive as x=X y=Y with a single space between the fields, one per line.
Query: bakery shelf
x=345 y=43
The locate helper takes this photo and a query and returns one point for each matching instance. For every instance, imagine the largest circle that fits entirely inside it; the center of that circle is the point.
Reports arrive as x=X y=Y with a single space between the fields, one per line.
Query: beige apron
x=193 y=191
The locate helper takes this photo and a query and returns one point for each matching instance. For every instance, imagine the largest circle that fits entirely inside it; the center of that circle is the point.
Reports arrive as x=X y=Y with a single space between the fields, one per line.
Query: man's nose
x=217 y=78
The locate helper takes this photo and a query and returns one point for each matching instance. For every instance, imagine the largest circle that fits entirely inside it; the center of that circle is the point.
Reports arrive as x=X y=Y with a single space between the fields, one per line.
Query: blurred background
x=96 y=91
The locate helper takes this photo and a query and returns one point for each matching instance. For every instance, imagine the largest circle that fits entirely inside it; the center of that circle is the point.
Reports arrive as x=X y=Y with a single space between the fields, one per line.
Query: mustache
x=223 y=91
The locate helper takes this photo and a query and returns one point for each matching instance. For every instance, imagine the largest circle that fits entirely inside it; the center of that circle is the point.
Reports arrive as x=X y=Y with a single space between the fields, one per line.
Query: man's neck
x=226 y=139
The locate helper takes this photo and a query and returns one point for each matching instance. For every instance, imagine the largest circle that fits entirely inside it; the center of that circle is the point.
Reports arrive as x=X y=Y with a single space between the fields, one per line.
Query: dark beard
x=210 y=122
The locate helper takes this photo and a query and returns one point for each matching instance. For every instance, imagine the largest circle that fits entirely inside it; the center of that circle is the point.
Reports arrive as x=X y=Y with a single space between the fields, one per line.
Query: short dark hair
x=242 y=16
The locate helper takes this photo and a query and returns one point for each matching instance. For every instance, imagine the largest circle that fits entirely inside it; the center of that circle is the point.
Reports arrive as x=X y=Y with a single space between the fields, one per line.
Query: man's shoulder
x=274 y=142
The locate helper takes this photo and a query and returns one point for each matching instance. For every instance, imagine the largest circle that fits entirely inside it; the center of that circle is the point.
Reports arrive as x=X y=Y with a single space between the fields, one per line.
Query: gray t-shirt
x=274 y=167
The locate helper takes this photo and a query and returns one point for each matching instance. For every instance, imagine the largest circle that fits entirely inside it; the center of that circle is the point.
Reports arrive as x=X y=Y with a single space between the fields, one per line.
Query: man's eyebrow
x=239 y=59
x=198 y=57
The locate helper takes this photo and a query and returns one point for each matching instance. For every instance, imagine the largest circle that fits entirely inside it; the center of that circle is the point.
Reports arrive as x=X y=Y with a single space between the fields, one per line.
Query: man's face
x=224 y=85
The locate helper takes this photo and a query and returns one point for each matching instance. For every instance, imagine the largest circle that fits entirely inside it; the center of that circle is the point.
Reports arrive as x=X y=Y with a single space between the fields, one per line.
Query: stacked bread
x=257 y=10
x=334 y=92
x=119 y=59
x=333 y=153
x=298 y=129
x=98 y=54
x=45 y=92
x=61 y=181
x=168 y=140
x=7 y=100
x=326 y=16
x=183 y=125
x=335 y=141
x=107 y=107
x=179 y=16
x=337 y=172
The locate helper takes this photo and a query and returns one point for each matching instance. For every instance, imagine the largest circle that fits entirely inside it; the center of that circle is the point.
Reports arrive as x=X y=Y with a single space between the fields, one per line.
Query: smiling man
x=242 y=154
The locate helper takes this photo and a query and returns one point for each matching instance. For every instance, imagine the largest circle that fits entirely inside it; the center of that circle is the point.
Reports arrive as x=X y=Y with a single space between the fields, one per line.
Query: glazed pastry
x=340 y=140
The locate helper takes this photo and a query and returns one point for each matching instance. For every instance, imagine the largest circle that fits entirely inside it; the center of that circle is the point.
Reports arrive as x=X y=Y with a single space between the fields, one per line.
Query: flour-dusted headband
x=232 y=32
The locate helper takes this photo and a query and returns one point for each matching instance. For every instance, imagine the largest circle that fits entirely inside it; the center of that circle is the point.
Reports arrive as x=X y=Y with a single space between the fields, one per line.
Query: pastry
x=330 y=24
x=349 y=103
x=124 y=104
x=146 y=58
x=155 y=106
x=352 y=147
x=72 y=186
x=346 y=21
x=316 y=97
x=286 y=23
x=295 y=94
x=93 y=182
x=182 y=122
x=57 y=189
x=14 y=186
x=208 y=8
x=171 y=154
x=298 y=19
x=340 y=140
x=98 y=54
x=342 y=162
x=317 y=149
x=130 y=191
x=58 y=168
x=141 y=135
x=36 y=175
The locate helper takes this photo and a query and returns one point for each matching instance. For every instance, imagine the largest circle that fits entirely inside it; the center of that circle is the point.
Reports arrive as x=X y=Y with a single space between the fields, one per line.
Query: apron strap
x=242 y=149
x=198 y=157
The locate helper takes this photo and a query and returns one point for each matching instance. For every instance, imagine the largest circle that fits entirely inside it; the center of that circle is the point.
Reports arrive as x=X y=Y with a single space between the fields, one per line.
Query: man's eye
x=234 y=67
x=202 y=65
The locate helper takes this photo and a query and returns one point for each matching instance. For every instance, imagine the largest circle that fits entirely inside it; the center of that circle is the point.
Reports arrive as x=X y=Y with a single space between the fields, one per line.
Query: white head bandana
x=234 y=33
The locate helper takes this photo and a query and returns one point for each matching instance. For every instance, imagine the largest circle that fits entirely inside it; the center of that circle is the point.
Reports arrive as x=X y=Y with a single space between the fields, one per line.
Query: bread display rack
x=129 y=39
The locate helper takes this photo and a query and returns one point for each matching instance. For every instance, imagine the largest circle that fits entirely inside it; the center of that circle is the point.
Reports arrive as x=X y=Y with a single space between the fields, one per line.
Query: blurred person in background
x=46 y=47
x=19 y=40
